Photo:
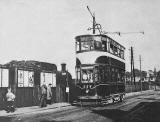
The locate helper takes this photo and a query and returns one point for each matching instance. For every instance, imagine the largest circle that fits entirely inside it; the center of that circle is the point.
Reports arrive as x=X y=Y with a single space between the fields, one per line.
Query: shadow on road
x=53 y=121
x=143 y=112
x=113 y=114
x=6 y=119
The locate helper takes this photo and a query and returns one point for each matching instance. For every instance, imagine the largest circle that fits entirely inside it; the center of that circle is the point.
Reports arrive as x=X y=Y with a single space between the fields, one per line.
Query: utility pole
x=140 y=60
x=132 y=67
x=155 y=75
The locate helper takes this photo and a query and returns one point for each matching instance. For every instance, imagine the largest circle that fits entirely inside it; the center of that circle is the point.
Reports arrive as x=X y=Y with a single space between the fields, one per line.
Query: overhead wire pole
x=140 y=61
x=133 y=68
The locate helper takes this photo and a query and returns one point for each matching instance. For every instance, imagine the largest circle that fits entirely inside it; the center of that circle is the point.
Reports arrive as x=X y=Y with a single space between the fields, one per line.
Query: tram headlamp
x=87 y=90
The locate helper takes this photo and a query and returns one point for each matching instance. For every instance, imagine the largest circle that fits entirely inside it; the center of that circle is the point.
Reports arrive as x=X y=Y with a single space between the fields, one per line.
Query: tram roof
x=90 y=35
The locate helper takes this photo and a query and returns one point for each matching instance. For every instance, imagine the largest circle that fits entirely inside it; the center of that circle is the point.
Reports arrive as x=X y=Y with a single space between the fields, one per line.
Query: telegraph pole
x=132 y=67
x=140 y=60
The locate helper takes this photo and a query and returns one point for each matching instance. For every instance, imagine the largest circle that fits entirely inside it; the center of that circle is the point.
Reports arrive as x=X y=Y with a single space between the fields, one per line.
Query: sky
x=45 y=30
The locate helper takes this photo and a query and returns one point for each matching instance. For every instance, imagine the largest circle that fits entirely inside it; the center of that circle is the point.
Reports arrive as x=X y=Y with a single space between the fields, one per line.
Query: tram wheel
x=121 y=97
x=111 y=100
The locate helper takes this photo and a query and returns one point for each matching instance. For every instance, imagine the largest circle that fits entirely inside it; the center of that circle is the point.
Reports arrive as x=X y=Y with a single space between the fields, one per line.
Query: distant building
x=147 y=76
x=150 y=76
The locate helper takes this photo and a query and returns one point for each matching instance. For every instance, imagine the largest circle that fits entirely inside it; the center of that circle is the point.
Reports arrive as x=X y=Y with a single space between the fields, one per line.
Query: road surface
x=132 y=109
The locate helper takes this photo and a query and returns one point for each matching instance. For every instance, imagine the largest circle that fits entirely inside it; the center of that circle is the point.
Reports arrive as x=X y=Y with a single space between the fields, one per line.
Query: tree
x=144 y=74
x=137 y=73
x=158 y=77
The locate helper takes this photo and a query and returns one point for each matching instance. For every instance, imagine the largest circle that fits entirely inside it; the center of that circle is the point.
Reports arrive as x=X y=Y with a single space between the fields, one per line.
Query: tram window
x=123 y=76
x=111 y=48
x=118 y=77
x=91 y=45
x=86 y=46
x=98 y=45
x=96 y=78
x=107 y=73
x=119 y=53
x=122 y=54
x=78 y=73
x=104 y=45
x=115 y=50
x=108 y=43
x=113 y=74
x=84 y=76
x=87 y=75
x=77 y=46
x=102 y=73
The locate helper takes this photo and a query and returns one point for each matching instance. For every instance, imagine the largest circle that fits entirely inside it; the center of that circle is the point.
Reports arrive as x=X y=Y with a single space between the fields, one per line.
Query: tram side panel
x=107 y=79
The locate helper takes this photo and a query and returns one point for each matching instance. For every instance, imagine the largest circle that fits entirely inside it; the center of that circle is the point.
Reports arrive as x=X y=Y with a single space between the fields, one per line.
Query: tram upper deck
x=103 y=43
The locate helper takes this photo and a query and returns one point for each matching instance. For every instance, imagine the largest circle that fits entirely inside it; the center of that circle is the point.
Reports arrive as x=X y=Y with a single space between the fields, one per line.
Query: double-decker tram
x=100 y=68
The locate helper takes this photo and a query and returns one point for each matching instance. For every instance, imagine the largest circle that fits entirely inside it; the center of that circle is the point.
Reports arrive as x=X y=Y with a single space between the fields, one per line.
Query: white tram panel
x=90 y=57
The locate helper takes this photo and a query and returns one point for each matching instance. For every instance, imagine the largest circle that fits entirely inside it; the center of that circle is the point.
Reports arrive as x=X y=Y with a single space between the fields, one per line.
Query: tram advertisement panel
x=4 y=77
x=20 y=78
x=25 y=78
x=31 y=79
x=48 y=78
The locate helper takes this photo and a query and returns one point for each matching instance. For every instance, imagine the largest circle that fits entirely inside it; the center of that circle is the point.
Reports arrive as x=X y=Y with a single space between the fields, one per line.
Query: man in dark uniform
x=43 y=99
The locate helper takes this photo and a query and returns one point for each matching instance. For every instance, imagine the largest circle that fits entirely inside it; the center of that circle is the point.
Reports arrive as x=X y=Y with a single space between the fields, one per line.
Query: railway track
x=85 y=113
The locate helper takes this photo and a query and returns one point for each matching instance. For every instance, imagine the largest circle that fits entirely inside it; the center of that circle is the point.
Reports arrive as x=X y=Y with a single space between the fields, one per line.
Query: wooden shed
x=26 y=77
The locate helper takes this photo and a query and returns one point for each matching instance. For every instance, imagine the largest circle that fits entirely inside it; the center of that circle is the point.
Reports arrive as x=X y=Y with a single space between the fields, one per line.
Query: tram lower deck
x=101 y=81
